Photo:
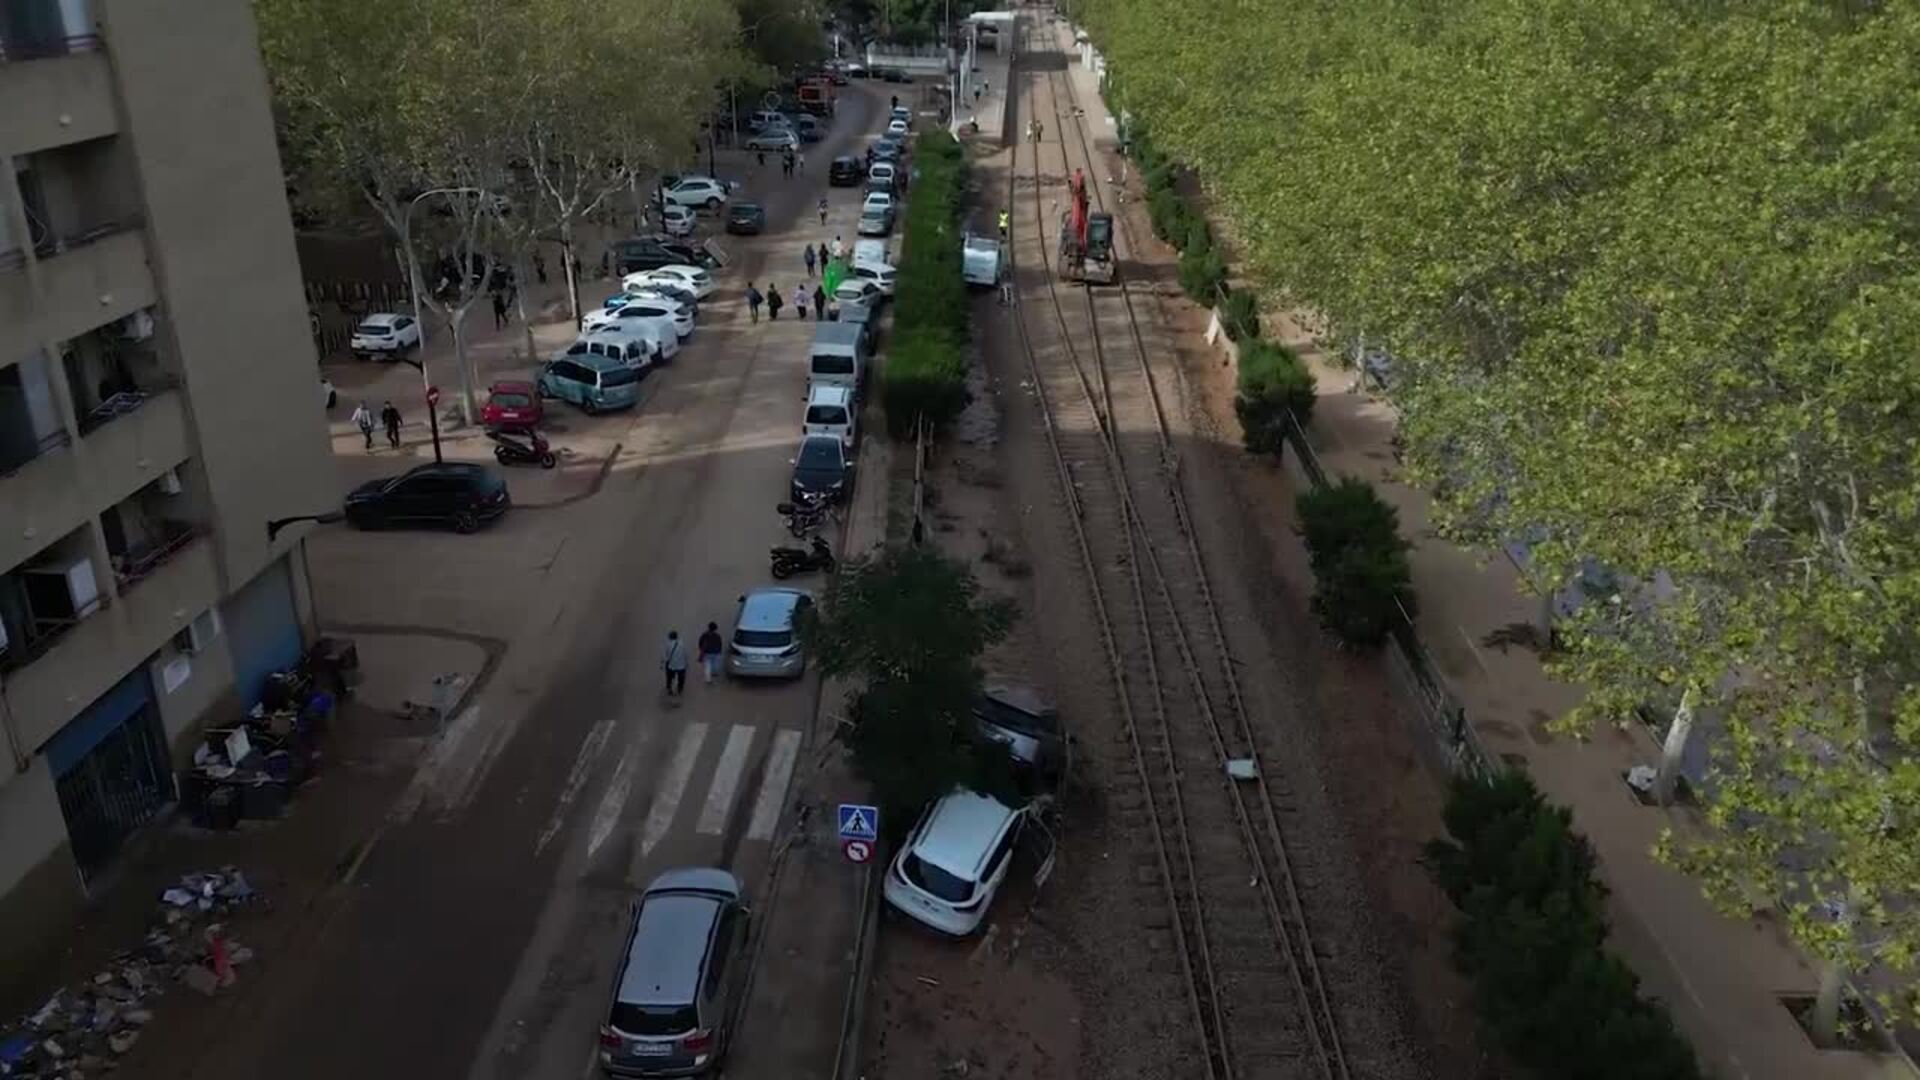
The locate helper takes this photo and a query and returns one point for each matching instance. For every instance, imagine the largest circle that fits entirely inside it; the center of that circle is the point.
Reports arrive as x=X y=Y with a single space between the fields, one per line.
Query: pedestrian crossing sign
x=859 y=822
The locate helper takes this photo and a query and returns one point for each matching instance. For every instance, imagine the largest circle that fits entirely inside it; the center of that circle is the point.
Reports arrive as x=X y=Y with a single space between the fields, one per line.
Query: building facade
x=159 y=403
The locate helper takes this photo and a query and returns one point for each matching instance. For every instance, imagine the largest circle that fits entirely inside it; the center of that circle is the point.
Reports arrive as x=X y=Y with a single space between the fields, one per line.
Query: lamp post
x=413 y=270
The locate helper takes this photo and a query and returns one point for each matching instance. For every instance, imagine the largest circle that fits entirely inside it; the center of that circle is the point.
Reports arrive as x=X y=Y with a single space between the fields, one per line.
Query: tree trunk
x=1673 y=749
x=566 y=268
x=1823 y=1026
x=523 y=272
x=468 y=408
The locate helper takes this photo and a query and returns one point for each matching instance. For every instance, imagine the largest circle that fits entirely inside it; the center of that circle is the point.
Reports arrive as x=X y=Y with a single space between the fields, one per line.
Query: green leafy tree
x=1272 y=385
x=910 y=624
x=1361 y=578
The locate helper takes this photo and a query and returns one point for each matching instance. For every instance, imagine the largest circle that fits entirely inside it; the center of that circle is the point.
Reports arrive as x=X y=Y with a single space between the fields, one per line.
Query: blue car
x=594 y=383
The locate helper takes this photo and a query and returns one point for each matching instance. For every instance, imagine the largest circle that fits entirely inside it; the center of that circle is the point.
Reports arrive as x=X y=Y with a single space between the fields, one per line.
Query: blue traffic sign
x=859 y=822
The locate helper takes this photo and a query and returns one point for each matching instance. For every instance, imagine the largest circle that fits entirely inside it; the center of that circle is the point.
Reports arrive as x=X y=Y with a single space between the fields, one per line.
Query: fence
x=922 y=436
x=1432 y=708
x=335 y=307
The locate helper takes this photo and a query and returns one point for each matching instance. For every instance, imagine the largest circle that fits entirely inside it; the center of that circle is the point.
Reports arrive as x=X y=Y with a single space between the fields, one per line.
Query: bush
x=925 y=373
x=1532 y=933
x=1359 y=561
x=1241 y=317
x=1202 y=275
x=1272 y=383
x=1168 y=214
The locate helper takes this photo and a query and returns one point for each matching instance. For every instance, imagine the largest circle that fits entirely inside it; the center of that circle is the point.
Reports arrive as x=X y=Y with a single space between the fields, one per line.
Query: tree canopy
x=1646 y=272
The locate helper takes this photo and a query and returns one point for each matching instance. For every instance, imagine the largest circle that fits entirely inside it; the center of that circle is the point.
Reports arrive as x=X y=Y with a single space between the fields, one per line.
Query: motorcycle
x=509 y=449
x=805 y=518
x=788 y=561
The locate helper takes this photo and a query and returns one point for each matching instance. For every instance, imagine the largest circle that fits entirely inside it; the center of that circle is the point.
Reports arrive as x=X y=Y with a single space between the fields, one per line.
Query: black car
x=846 y=171
x=642 y=253
x=746 y=219
x=822 y=467
x=687 y=254
x=458 y=495
x=894 y=75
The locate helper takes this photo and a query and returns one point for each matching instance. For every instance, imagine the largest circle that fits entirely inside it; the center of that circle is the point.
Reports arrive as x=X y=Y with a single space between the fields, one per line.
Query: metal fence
x=1431 y=707
x=336 y=307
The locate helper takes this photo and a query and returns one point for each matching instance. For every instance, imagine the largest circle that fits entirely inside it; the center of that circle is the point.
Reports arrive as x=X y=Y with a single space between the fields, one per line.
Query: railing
x=52 y=244
x=130 y=569
x=37 y=29
x=124 y=402
x=39 y=638
x=31 y=47
x=41 y=446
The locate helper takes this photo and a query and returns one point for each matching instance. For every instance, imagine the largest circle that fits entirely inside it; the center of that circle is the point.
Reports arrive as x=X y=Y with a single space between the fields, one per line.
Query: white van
x=871 y=252
x=631 y=349
x=831 y=411
x=980 y=260
x=838 y=356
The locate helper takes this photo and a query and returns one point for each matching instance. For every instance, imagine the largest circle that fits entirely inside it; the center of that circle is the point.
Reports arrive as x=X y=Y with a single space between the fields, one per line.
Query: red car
x=512 y=405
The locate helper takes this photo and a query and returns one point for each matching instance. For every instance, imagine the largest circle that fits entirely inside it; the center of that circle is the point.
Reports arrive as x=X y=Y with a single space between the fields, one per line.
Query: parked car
x=696 y=191
x=831 y=411
x=897 y=127
x=857 y=292
x=879 y=198
x=874 y=221
x=683 y=965
x=951 y=865
x=638 y=343
x=887 y=149
x=884 y=176
x=687 y=253
x=385 y=334
x=845 y=171
x=595 y=384
x=881 y=275
x=457 y=495
x=666 y=312
x=641 y=253
x=765 y=642
x=691 y=278
x=1028 y=726
x=773 y=139
x=512 y=404
x=657 y=288
x=677 y=220
x=746 y=219
x=809 y=128
x=856 y=70
x=766 y=118
x=901 y=113
x=892 y=75
x=822 y=467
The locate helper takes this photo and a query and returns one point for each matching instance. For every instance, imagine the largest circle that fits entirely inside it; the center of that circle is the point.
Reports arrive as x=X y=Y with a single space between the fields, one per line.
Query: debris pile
x=82 y=1031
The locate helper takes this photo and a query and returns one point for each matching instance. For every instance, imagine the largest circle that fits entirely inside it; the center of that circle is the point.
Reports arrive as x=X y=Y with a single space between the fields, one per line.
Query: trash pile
x=81 y=1031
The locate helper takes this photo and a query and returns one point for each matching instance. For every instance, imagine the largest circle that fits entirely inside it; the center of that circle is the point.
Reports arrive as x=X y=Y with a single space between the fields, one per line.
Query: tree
x=910 y=624
x=1274 y=389
x=1361 y=579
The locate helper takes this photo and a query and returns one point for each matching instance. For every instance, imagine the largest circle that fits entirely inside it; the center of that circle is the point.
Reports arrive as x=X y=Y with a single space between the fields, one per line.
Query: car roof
x=771 y=608
x=682 y=268
x=669 y=948
x=511 y=386
x=960 y=832
x=835 y=333
x=382 y=318
x=829 y=394
x=846 y=159
x=461 y=469
x=596 y=361
x=743 y=205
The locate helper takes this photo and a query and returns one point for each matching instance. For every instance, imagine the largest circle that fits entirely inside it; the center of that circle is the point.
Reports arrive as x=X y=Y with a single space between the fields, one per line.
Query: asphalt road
x=476 y=933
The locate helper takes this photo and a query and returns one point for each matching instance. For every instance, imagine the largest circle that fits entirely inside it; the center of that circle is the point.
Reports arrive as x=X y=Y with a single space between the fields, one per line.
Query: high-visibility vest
x=1003 y=219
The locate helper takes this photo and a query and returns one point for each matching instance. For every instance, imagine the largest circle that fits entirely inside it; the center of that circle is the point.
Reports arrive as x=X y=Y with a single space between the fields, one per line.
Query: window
x=1002 y=850
x=820 y=454
x=402 y=323
x=826 y=414
x=573 y=372
x=619 y=377
x=654 y=1020
x=832 y=365
x=937 y=882
x=722 y=951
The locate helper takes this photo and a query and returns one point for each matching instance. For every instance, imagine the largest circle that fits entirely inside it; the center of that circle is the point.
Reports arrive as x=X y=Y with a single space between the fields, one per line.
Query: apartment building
x=159 y=403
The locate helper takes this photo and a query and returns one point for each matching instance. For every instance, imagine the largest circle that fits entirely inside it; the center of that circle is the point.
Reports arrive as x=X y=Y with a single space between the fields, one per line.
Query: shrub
x=1272 y=383
x=925 y=375
x=1359 y=561
x=1532 y=933
x=1169 y=215
x=1202 y=274
x=926 y=368
x=1241 y=317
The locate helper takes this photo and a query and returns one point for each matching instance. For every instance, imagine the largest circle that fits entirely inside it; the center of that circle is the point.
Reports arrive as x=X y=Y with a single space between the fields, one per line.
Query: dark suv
x=681 y=969
x=642 y=253
x=845 y=171
x=457 y=495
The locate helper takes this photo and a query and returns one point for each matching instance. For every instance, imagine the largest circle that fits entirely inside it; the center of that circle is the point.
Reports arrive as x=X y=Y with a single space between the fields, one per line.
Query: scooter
x=509 y=449
x=805 y=518
x=788 y=561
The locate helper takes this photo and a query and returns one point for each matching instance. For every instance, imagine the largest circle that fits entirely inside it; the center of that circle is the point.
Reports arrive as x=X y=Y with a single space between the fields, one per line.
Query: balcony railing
x=38 y=47
x=36 y=639
x=124 y=402
x=47 y=243
x=133 y=565
x=37 y=29
x=48 y=442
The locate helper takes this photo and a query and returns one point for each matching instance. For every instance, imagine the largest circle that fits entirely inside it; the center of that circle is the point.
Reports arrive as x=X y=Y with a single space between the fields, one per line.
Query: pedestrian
x=823 y=209
x=895 y=101
x=540 y=267
x=800 y=162
x=1003 y=226
x=823 y=258
x=819 y=302
x=390 y=419
x=711 y=648
x=976 y=92
x=760 y=155
x=773 y=303
x=753 y=302
x=673 y=661
x=800 y=301
x=839 y=247
x=363 y=419
x=499 y=309
x=809 y=253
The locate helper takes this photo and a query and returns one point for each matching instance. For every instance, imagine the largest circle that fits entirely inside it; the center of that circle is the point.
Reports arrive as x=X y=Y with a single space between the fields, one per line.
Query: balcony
x=149 y=528
x=88 y=280
x=57 y=92
x=61 y=489
x=45 y=29
x=84 y=660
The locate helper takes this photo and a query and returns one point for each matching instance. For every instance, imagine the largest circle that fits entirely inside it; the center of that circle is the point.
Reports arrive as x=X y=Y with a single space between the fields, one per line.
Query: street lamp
x=413 y=271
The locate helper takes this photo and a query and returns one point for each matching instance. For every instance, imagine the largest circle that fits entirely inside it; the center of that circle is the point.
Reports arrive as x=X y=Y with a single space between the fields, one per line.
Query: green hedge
x=1531 y=935
x=926 y=368
x=1241 y=317
x=1359 y=560
x=1272 y=383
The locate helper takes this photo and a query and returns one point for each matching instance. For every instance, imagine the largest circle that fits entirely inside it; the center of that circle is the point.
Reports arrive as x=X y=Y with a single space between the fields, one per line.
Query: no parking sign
x=858 y=851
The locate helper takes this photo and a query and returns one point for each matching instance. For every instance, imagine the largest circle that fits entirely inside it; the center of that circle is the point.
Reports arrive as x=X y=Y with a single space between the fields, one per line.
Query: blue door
x=263 y=631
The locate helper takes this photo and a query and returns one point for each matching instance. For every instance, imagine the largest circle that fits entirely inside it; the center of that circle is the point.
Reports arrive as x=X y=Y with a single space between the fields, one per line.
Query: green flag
x=833 y=275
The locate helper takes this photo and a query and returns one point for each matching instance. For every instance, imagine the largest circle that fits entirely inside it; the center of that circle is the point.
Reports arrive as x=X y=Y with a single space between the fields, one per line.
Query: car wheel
x=548 y=461
x=587 y=406
x=782 y=570
x=500 y=454
x=713 y=204
x=464 y=522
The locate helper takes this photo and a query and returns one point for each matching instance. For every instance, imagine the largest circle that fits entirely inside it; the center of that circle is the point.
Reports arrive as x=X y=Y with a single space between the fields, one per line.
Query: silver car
x=766 y=642
x=682 y=968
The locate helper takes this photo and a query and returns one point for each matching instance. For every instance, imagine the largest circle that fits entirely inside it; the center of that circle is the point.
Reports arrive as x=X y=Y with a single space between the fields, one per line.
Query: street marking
x=608 y=813
x=430 y=778
x=673 y=785
x=583 y=764
x=773 y=787
x=726 y=780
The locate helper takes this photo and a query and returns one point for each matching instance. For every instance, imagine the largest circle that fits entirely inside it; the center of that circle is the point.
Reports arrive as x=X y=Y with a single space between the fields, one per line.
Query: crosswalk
x=715 y=790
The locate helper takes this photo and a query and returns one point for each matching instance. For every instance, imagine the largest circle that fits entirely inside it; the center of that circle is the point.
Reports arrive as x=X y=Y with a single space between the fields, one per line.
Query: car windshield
x=819 y=455
x=938 y=882
x=654 y=1019
x=826 y=414
x=622 y=376
x=763 y=639
x=830 y=365
x=374 y=329
x=511 y=399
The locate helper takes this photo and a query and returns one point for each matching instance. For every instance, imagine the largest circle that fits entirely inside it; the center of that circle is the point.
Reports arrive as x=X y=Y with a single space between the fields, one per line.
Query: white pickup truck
x=980 y=260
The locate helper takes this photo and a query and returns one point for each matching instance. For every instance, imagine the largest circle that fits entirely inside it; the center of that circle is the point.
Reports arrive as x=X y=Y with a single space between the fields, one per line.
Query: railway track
x=1225 y=873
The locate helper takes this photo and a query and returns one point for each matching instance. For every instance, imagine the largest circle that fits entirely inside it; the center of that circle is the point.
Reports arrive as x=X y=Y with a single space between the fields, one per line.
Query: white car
x=677 y=220
x=879 y=274
x=621 y=318
x=385 y=334
x=954 y=861
x=858 y=293
x=697 y=191
x=877 y=200
x=773 y=139
x=691 y=278
x=647 y=307
x=896 y=126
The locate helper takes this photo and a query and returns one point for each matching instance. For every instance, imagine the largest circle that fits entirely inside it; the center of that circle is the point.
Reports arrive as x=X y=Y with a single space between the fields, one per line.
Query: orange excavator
x=1086 y=238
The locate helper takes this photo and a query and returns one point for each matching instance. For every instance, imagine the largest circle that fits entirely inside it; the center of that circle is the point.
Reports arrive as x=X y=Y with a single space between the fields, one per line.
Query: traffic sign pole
x=433 y=421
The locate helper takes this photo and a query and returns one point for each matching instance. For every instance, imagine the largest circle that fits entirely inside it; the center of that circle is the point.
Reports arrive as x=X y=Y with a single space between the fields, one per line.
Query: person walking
x=711 y=648
x=499 y=309
x=773 y=303
x=800 y=302
x=390 y=419
x=673 y=661
x=753 y=302
x=823 y=258
x=1004 y=219
x=819 y=302
x=540 y=268
x=823 y=209
x=809 y=255
x=760 y=155
x=363 y=419
x=800 y=162
x=839 y=247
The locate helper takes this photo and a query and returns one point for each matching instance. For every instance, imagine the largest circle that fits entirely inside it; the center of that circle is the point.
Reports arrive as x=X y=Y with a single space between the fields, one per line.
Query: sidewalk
x=1720 y=976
